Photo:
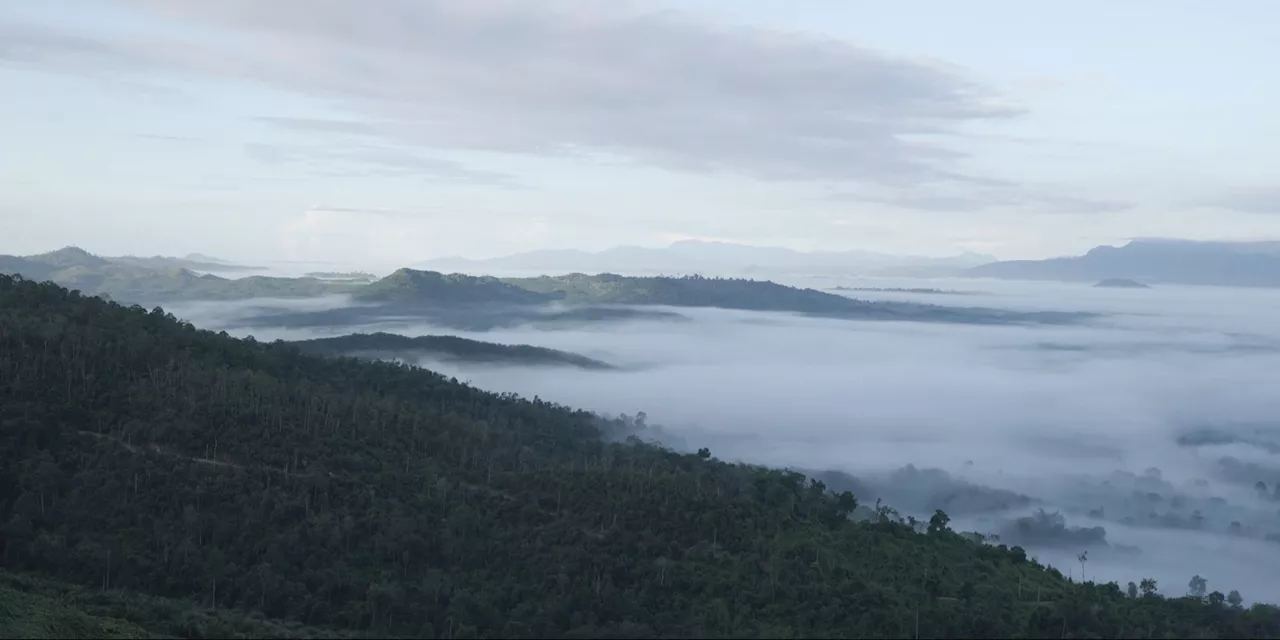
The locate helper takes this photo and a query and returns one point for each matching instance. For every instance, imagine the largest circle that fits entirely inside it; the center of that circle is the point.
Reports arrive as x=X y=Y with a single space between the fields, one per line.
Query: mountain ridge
x=428 y=294
x=386 y=346
x=1158 y=261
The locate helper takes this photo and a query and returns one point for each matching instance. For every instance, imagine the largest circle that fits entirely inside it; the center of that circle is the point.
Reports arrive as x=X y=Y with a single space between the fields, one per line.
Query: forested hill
x=156 y=279
x=388 y=346
x=460 y=300
x=275 y=493
x=408 y=287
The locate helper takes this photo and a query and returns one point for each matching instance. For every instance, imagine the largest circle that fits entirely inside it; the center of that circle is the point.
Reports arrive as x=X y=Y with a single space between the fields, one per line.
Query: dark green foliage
x=388 y=346
x=691 y=291
x=408 y=285
x=193 y=263
x=35 y=607
x=28 y=613
x=687 y=291
x=146 y=457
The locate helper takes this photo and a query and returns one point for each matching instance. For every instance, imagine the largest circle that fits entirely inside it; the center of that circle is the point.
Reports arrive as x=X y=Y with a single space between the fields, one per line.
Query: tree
x=1148 y=587
x=1197 y=587
x=938 y=523
x=1234 y=599
x=1133 y=590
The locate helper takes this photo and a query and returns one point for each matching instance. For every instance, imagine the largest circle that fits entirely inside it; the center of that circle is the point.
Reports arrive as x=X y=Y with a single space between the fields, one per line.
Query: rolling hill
x=387 y=346
x=480 y=302
x=158 y=464
x=697 y=291
x=1236 y=264
x=155 y=280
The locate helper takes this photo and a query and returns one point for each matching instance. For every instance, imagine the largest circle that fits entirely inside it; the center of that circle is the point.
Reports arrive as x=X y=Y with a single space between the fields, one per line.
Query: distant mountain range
x=1238 y=264
x=155 y=279
x=695 y=256
x=482 y=302
x=192 y=261
x=42 y=265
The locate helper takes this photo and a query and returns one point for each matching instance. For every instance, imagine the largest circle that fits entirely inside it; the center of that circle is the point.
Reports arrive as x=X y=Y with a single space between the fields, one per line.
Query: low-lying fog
x=1157 y=423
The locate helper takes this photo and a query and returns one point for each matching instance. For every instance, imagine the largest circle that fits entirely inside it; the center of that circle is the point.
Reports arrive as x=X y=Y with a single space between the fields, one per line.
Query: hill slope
x=193 y=262
x=1120 y=283
x=1242 y=264
x=387 y=346
x=37 y=616
x=408 y=287
x=150 y=457
x=431 y=287
x=481 y=302
x=150 y=281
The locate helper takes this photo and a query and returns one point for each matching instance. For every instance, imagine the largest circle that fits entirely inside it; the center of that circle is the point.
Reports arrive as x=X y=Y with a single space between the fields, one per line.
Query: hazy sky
x=396 y=130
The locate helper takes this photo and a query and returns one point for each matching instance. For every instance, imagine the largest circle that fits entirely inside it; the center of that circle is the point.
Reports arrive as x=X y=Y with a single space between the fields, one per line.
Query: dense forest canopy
x=388 y=346
x=202 y=485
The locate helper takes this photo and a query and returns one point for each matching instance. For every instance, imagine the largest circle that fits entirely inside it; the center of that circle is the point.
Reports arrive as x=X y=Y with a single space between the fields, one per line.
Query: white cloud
x=1257 y=200
x=563 y=77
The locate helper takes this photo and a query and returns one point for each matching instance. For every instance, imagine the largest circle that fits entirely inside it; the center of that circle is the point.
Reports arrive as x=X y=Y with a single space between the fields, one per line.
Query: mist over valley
x=1140 y=436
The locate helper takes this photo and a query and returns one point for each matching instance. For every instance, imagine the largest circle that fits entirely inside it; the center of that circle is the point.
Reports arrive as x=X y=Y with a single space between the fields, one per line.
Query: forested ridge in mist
x=158 y=279
x=460 y=300
x=388 y=346
x=206 y=486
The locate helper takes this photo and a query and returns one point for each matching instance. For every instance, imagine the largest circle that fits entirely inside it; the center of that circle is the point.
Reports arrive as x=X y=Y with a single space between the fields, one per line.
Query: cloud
x=1264 y=200
x=561 y=77
x=163 y=137
x=377 y=211
x=321 y=125
x=371 y=160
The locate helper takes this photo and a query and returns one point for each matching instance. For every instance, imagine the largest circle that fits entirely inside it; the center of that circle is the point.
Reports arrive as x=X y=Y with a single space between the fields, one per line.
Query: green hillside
x=162 y=463
x=155 y=280
x=408 y=285
x=693 y=291
x=27 y=613
x=460 y=300
x=386 y=346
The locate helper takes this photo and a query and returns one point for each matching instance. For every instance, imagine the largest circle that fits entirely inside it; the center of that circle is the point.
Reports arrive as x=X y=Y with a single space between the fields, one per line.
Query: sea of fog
x=1155 y=422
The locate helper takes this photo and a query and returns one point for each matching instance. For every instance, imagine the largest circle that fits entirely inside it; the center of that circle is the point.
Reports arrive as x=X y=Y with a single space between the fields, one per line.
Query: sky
x=393 y=131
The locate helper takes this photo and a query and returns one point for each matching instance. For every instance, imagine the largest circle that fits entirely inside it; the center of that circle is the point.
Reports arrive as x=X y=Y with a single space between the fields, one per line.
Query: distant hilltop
x=1231 y=264
x=1121 y=283
x=467 y=300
